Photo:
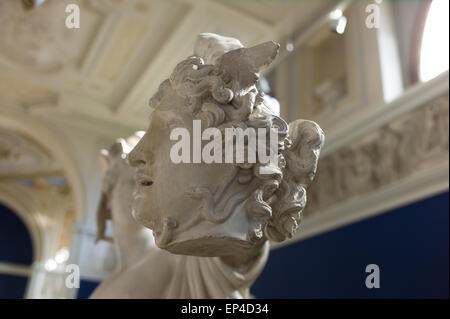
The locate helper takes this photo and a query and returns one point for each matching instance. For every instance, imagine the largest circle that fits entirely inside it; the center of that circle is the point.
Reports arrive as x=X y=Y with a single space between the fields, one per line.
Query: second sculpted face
x=161 y=200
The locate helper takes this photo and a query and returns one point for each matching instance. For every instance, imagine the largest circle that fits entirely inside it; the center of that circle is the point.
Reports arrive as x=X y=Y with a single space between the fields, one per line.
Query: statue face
x=161 y=199
x=215 y=209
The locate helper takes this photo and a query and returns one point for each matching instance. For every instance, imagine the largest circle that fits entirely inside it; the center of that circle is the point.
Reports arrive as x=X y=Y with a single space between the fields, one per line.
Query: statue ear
x=301 y=158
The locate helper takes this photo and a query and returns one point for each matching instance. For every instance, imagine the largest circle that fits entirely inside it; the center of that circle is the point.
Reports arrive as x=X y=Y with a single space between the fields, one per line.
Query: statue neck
x=130 y=240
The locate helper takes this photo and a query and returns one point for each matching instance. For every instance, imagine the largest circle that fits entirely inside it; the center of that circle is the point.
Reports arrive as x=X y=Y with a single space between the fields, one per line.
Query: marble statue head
x=218 y=208
x=117 y=184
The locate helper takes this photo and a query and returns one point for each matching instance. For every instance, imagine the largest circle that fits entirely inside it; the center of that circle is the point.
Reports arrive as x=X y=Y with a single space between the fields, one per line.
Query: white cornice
x=15 y=269
x=368 y=119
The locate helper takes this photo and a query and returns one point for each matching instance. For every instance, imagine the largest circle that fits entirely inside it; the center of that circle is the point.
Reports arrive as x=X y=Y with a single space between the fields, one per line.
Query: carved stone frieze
x=20 y=154
x=38 y=38
x=413 y=142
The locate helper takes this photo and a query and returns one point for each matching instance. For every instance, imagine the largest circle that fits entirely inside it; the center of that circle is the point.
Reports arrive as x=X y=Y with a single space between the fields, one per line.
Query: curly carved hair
x=225 y=95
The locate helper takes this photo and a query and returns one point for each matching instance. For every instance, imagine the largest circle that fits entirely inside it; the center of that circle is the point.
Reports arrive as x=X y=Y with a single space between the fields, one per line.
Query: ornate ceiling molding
x=38 y=39
x=22 y=157
x=120 y=53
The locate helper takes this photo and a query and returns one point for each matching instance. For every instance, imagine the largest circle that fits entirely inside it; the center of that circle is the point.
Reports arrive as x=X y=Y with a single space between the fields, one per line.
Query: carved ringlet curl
x=286 y=213
x=156 y=98
x=243 y=105
x=301 y=165
x=191 y=77
x=211 y=115
x=258 y=212
x=283 y=132
x=258 y=206
x=194 y=103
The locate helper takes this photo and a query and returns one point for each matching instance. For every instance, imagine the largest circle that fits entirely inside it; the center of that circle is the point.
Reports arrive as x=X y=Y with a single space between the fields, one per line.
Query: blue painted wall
x=15 y=241
x=410 y=245
x=86 y=288
x=15 y=247
x=12 y=287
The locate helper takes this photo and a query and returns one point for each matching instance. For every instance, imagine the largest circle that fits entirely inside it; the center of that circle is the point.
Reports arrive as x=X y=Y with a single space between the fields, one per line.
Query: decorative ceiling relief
x=139 y=32
x=121 y=48
x=39 y=39
x=14 y=89
x=19 y=155
x=271 y=12
x=102 y=74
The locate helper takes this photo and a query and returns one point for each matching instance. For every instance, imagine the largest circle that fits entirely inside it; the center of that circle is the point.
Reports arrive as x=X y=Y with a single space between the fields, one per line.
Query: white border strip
x=15 y=269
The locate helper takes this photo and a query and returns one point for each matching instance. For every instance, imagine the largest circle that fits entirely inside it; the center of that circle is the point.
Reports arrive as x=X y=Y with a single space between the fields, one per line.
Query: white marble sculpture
x=211 y=222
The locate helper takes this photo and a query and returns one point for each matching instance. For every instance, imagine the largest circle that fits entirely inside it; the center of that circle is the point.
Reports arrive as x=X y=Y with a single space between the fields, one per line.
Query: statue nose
x=136 y=157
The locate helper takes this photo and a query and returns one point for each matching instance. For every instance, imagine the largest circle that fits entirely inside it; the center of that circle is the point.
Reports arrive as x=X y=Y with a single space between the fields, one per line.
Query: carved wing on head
x=244 y=64
x=210 y=46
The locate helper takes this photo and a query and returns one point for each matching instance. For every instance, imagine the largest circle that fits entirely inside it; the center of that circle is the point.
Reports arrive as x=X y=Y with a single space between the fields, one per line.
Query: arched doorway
x=41 y=183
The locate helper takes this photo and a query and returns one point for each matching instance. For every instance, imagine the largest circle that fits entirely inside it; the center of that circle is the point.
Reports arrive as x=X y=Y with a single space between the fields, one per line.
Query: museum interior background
x=377 y=85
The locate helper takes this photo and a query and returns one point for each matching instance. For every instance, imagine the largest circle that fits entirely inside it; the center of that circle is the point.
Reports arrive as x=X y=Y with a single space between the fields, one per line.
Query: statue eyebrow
x=171 y=118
